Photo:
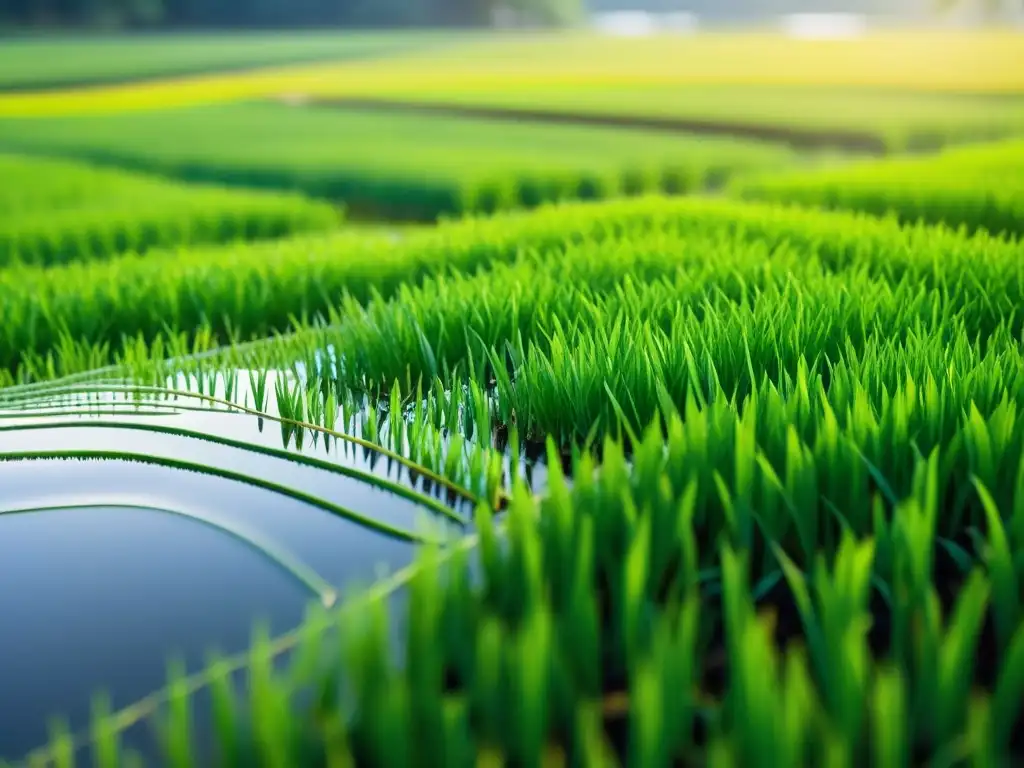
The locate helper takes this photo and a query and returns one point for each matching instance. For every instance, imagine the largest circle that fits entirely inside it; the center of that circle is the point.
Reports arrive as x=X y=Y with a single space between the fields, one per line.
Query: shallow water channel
x=133 y=531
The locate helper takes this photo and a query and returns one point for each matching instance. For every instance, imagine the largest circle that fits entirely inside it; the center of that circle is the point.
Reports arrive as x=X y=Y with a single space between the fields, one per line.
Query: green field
x=54 y=211
x=979 y=188
x=397 y=166
x=891 y=119
x=51 y=61
x=584 y=446
x=784 y=358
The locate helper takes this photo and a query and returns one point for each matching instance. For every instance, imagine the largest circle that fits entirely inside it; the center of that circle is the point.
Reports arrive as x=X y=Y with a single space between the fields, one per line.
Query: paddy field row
x=937 y=60
x=888 y=91
x=257 y=290
x=380 y=166
x=60 y=62
x=397 y=168
x=54 y=212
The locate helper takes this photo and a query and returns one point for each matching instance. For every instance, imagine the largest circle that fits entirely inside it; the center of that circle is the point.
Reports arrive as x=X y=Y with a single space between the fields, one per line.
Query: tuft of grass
x=56 y=211
x=57 y=321
x=587 y=632
x=972 y=188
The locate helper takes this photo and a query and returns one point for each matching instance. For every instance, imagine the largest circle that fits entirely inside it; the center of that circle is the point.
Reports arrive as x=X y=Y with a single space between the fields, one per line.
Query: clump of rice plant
x=973 y=188
x=609 y=624
x=239 y=294
x=57 y=212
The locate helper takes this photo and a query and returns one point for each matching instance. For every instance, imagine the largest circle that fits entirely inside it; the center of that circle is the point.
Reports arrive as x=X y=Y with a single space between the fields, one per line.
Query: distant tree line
x=278 y=13
x=385 y=13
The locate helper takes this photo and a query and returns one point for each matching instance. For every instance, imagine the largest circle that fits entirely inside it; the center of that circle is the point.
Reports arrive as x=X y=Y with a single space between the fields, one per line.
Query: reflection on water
x=101 y=597
x=129 y=533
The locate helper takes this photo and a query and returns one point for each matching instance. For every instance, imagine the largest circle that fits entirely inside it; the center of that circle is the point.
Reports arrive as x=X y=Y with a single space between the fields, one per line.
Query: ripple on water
x=111 y=567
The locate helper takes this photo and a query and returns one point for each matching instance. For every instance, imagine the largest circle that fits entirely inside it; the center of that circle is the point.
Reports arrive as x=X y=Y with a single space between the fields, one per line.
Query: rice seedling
x=236 y=294
x=973 y=188
x=54 y=211
x=393 y=166
x=594 y=629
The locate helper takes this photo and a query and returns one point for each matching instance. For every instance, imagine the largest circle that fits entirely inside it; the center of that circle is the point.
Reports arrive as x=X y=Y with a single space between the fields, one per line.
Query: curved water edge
x=258 y=544
x=257 y=393
x=150 y=527
x=107 y=595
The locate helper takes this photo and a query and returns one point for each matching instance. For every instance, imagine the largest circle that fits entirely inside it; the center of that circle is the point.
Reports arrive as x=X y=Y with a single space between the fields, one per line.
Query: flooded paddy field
x=148 y=524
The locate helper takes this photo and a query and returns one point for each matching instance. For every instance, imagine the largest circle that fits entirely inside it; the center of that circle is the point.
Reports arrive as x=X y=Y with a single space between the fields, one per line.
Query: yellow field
x=980 y=62
x=174 y=92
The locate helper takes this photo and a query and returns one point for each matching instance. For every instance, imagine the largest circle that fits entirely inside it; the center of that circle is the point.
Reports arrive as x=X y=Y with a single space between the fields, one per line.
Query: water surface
x=129 y=535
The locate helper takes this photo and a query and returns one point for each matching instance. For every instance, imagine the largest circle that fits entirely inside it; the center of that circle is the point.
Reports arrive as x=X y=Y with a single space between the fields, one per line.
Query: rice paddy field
x=952 y=62
x=977 y=187
x=54 y=211
x=51 y=61
x=874 y=119
x=416 y=167
x=946 y=61
x=642 y=447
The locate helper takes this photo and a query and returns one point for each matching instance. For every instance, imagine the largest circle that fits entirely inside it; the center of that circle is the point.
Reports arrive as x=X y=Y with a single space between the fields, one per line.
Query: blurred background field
x=55 y=212
x=486 y=67
x=63 y=59
x=304 y=269
x=499 y=111
x=397 y=166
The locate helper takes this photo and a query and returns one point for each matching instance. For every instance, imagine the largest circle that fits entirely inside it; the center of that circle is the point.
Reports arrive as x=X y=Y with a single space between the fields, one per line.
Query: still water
x=162 y=545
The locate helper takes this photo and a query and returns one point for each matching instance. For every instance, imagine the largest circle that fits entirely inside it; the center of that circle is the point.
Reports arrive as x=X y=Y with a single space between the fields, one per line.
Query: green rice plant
x=874 y=362
x=619 y=530
x=879 y=403
x=239 y=294
x=395 y=166
x=55 y=211
x=973 y=188
x=571 y=615
x=727 y=327
x=779 y=517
